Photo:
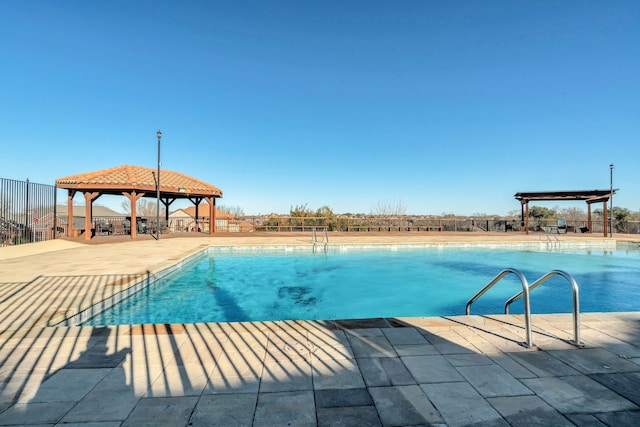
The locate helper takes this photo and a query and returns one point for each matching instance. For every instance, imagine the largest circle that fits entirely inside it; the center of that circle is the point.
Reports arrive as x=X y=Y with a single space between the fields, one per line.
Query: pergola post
x=526 y=218
x=166 y=202
x=196 y=201
x=212 y=214
x=589 y=227
x=133 y=199
x=605 y=218
x=88 y=215
x=70 y=195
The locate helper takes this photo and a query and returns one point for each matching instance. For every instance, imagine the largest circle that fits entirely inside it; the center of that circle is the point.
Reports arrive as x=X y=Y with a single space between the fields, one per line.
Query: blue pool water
x=224 y=286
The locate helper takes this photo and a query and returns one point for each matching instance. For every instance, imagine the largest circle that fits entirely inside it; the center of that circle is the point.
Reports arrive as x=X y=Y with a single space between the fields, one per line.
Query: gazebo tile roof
x=137 y=177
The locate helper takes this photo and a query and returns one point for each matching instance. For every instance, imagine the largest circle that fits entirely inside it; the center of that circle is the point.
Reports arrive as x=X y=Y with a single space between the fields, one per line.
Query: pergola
x=135 y=182
x=589 y=196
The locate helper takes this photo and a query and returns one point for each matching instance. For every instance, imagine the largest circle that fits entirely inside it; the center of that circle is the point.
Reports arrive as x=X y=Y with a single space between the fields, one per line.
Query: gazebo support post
x=133 y=199
x=196 y=201
x=212 y=214
x=88 y=215
x=70 y=195
x=605 y=218
x=166 y=202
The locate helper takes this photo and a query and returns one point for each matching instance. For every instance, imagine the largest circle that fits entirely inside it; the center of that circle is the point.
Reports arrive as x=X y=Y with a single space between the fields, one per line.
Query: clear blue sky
x=444 y=106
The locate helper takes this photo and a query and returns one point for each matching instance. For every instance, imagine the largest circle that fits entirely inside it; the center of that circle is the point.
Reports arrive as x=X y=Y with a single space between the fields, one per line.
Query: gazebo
x=135 y=182
x=589 y=196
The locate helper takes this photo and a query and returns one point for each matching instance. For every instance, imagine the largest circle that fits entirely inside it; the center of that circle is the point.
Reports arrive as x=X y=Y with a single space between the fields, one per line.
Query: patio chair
x=104 y=228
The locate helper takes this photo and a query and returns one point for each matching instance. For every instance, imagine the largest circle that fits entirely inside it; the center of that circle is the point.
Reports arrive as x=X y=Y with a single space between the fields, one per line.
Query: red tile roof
x=203 y=211
x=127 y=178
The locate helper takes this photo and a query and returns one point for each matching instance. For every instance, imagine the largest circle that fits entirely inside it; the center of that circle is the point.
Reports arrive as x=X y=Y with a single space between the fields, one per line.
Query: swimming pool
x=259 y=284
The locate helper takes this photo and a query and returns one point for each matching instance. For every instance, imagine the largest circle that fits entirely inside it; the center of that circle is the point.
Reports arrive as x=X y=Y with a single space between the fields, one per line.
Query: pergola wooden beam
x=588 y=196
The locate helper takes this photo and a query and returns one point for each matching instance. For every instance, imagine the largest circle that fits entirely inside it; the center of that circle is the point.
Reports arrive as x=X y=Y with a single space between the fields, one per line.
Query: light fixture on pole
x=159 y=135
x=611 y=200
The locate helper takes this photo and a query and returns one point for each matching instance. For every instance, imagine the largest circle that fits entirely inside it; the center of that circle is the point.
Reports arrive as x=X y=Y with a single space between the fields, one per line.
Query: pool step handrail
x=525 y=293
x=324 y=241
x=576 y=299
x=552 y=243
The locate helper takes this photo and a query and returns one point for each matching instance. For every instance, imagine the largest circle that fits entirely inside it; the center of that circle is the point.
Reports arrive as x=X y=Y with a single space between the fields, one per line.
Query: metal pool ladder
x=526 y=288
x=324 y=239
x=552 y=243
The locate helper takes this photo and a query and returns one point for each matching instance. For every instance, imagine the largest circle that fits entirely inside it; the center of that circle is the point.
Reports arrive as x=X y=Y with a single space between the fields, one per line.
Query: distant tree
x=126 y=206
x=300 y=211
x=325 y=212
x=572 y=214
x=144 y=207
x=148 y=207
x=389 y=207
x=233 y=210
x=539 y=212
x=328 y=218
x=621 y=214
x=514 y=213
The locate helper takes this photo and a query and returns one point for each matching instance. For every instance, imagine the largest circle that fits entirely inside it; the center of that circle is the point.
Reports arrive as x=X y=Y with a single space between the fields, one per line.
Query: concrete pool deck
x=454 y=371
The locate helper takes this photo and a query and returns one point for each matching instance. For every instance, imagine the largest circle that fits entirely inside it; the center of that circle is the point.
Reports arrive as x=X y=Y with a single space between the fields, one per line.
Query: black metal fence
x=27 y=212
x=350 y=224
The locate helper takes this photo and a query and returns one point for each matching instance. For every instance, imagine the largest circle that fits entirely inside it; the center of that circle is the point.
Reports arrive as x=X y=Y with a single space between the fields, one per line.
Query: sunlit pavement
x=456 y=371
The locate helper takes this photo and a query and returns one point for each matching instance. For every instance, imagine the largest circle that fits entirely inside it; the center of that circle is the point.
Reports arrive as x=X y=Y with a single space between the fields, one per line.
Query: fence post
x=55 y=212
x=26 y=211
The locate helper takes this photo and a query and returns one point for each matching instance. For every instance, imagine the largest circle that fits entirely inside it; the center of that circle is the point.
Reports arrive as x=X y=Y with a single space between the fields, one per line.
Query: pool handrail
x=576 y=299
x=525 y=293
x=316 y=242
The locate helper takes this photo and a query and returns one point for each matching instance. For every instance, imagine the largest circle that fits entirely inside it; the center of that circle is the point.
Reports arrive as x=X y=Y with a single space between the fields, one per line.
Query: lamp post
x=611 y=200
x=159 y=135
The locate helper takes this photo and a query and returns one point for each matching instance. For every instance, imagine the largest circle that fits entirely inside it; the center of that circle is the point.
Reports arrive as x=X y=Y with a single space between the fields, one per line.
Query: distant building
x=184 y=220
